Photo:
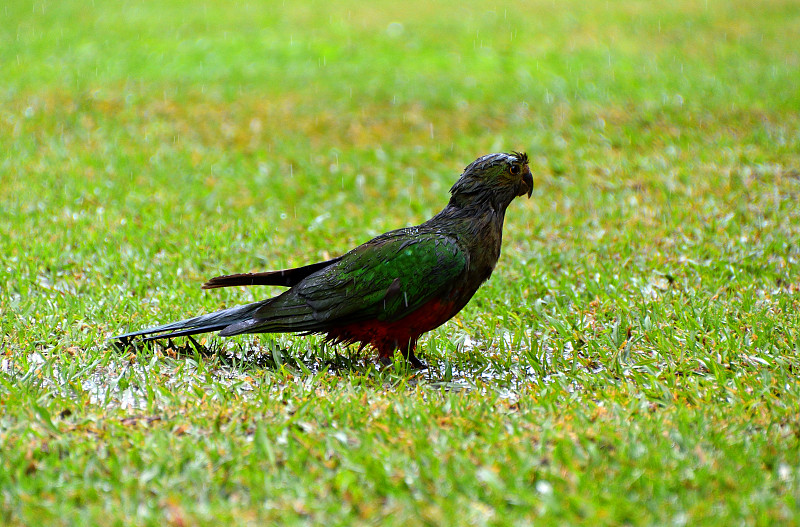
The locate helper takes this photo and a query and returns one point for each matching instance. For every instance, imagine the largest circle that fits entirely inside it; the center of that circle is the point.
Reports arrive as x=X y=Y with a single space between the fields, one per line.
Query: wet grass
x=633 y=360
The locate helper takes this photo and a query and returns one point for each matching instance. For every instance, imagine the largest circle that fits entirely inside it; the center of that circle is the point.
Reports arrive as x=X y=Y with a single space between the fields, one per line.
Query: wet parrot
x=389 y=291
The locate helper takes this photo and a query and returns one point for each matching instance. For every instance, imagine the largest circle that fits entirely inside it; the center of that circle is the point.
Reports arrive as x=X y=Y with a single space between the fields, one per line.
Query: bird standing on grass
x=390 y=290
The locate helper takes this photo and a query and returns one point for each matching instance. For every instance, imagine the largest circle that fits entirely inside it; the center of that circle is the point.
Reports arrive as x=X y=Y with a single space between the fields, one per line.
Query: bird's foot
x=415 y=362
x=412 y=360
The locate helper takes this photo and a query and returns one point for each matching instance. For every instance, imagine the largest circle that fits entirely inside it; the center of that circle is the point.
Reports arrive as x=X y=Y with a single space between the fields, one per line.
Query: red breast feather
x=402 y=334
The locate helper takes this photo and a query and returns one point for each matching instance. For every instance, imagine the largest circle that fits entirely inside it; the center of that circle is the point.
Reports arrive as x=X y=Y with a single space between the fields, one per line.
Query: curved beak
x=525 y=186
x=528 y=179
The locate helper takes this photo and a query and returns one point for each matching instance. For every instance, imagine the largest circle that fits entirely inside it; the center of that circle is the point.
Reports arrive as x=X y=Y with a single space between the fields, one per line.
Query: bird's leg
x=415 y=362
x=411 y=358
x=386 y=354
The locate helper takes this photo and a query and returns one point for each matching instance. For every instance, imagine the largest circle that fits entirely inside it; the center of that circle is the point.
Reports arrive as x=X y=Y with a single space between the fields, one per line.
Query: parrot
x=389 y=291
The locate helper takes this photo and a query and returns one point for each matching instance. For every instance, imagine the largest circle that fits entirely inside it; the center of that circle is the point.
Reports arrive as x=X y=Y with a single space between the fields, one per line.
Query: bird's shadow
x=271 y=356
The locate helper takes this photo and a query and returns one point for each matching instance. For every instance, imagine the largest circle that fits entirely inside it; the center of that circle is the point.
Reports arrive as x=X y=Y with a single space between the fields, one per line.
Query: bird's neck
x=479 y=209
x=479 y=230
x=476 y=224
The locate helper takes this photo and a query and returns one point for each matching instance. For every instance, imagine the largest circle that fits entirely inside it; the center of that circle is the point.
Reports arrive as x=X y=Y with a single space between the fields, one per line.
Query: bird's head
x=495 y=179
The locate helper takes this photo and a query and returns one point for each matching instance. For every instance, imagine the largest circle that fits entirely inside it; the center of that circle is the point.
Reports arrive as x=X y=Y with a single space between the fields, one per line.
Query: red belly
x=402 y=334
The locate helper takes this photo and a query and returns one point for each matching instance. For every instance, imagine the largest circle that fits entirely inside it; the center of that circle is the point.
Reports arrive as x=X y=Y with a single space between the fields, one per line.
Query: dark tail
x=285 y=277
x=191 y=326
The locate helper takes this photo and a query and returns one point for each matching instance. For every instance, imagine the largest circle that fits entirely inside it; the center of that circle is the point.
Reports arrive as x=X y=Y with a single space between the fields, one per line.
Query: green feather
x=386 y=279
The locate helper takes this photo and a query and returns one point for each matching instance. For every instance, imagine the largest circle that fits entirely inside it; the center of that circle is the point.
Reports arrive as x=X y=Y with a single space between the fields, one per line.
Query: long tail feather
x=192 y=326
x=277 y=318
x=285 y=277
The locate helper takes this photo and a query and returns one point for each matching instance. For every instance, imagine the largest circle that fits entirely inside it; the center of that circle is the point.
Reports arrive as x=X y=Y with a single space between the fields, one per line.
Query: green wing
x=386 y=278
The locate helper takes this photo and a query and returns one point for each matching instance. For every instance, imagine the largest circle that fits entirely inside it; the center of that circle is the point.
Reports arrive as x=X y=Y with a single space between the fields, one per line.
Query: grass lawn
x=634 y=359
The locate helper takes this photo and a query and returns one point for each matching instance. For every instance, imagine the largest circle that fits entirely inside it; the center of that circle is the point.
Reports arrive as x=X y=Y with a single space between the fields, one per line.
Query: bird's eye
x=514 y=169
